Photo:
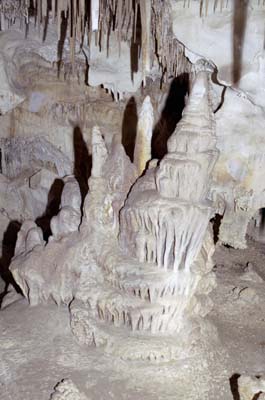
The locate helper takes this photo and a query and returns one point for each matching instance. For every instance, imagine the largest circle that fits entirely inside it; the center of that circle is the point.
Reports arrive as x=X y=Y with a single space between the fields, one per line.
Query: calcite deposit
x=132 y=199
x=147 y=271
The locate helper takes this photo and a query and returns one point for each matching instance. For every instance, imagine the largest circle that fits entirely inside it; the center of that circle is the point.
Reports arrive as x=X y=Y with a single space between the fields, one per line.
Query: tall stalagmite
x=142 y=150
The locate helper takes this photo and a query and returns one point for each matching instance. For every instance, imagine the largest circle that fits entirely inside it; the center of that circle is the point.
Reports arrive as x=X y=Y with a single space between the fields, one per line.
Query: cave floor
x=37 y=348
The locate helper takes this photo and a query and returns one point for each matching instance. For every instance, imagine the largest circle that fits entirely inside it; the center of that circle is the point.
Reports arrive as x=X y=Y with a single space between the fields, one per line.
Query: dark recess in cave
x=8 y=251
x=82 y=162
x=136 y=42
x=234 y=386
x=129 y=127
x=216 y=223
x=262 y=222
x=52 y=208
x=170 y=115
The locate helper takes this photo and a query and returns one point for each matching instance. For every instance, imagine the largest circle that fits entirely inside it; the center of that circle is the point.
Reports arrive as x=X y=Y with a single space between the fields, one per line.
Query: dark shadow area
x=129 y=127
x=86 y=69
x=257 y=396
x=239 y=27
x=8 y=251
x=222 y=100
x=234 y=386
x=46 y=20
x=64 y=24
x=216 y=223
x=170 y=115
x=52 y=208
x=262 y=219
x=82 y=162
x=135 y=48
x=215 y=80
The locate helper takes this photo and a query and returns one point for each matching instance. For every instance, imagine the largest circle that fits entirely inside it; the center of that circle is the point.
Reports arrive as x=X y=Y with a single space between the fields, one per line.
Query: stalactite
x=44 y=10
x=94 y=14
x=145 y=8
x=120 y=16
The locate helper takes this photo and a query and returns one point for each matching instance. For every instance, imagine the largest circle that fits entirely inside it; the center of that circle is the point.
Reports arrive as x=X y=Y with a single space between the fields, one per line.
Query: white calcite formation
x=250 y=387
x=239 y=190
x=165 y=224
x=142 y=149
x=69 y=217
x=112 y=176
x=239 y=89
x=55 y=271
x=38 y=277
x=160 y=277
x=148 y=226
x=29 y=236
x=138 y=269
x=29 y=168
x=99 y=152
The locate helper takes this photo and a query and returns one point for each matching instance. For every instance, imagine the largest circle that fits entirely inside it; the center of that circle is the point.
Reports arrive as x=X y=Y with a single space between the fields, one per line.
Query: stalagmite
x=191 y=154
x=69 y=217
x=99 y=152
x=164 y=260
x=142 y=150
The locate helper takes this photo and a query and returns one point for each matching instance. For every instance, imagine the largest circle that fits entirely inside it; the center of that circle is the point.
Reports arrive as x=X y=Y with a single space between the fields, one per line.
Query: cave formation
x=132 y=161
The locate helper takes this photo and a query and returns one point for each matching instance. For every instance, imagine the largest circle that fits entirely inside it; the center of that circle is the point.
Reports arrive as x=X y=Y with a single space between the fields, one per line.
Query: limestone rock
x=67 y=390
x=10 y=297
x=69 y=217
x=250 y=274
x=31 y=153
x=99 y=152
x=53 y=272
x=249 y=295
x=2 y=285
x=29 y=236
x=40 y=270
